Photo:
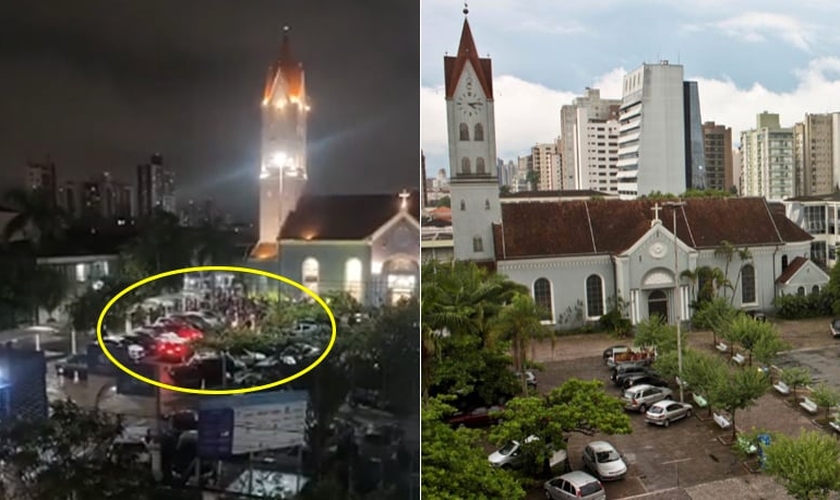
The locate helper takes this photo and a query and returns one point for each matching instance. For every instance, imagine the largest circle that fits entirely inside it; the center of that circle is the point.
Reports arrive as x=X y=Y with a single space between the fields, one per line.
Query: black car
x=649 y=379
x=626 y=368
x=835 y=328
x=632 y=371
x=75 y=364
x=207 y=370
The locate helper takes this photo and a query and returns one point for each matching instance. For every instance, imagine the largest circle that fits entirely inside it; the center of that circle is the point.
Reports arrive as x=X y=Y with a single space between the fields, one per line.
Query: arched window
x=486 y=204
x=784 y=262
x=800 y=291
x=478 y=133
x=465 y=131
x=465 y=166
x=594 y=296
x=310 y=274
x=463 y=205
x=353 y=278
x=542 y=297
x=748 y=284
x=478 y=244
x=815 y=289
x=479 y=166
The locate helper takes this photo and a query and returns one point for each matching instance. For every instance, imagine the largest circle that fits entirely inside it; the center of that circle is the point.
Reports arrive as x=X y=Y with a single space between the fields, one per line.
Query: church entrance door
x=400 y=286
x=658 y=305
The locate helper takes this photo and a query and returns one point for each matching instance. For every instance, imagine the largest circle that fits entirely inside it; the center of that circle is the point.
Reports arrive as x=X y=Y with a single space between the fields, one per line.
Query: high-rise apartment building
x=589 y=142
x=91 y=200
x=738 y=169
x=41 y=176
x=768 y=159
x=695 y=155
x=68 y=198
x=546 y=163
x=155 y=187
x=814 y=148
x=651 y=144
x=717 y=148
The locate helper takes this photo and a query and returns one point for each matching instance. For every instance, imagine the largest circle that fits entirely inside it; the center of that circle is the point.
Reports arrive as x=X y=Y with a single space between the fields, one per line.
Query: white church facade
x=577 y=256
x=365 y=245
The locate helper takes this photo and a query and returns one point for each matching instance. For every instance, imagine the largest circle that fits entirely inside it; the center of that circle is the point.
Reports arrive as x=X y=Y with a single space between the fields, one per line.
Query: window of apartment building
x=478 y=244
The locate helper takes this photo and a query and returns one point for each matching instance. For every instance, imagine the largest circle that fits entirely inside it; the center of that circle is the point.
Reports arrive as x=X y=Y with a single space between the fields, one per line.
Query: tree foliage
x=795 y=377
x=808 y=465
x=738 y=390
x=715 y=315
x=826 y=396
x=756 y=336
x=69 y=456
x=519 y=322
x=655 y=332
x=576 y=406
x=455 y=465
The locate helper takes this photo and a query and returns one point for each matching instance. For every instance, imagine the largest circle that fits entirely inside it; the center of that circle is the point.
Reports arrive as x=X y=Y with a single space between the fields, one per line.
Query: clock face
x=469 y=103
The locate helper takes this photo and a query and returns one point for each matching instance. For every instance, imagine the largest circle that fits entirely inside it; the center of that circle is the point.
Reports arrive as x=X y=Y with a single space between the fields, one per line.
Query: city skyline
x=99 y=89
x=746 y=58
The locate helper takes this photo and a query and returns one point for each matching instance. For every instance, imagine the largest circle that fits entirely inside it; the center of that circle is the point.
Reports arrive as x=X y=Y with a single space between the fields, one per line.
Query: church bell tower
x=474 y=180
x=283 y=166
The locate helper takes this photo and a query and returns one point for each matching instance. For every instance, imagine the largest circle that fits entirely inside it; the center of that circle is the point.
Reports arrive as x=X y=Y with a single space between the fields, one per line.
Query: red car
x=172 y=347
x=480 y=417
x=182 y=329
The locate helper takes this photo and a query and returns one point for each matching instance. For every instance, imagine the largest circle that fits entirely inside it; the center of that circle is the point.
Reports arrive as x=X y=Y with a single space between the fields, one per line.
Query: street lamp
x=674 y=205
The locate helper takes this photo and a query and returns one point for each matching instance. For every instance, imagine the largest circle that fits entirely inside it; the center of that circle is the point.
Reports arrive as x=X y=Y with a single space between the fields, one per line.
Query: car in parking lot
x=510 y=455
x=574 y=485
x=75 y=364
x=621 y=372
x=601 y=458
x=641 y=397
x=666 y=411
x=835 y=327
x=609 y=351
x=648 y=378
x=479 y=417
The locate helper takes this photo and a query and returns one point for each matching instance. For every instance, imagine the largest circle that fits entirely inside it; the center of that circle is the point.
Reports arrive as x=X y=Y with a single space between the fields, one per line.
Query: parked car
x=575 y=485
x=641 y=397
x=835 y=327
x=530 y=378
x=648 y=378
x=624 y=371
x=479 y=417
x=76 y=363
x=604 y=460
x=666 y=411
x=608 y=352
x=510 y=455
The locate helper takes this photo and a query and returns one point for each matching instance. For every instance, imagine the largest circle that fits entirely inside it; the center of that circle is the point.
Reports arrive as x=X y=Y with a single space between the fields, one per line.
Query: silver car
x=574 y=485
x=604 y=460
x=666 y=411
x=641 y=397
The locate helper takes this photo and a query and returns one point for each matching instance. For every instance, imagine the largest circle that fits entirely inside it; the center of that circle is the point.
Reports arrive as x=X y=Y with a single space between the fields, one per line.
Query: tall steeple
x=467 y=52
x=283 y=169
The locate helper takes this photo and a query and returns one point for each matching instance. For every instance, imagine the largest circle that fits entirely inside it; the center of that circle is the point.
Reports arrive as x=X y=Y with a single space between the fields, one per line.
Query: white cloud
x=758 y=26
x=527 y=113
x=543 y=25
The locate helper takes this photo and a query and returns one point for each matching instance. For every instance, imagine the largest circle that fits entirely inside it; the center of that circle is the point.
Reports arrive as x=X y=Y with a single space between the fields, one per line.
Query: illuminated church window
x=310 y=273
x=353 y=278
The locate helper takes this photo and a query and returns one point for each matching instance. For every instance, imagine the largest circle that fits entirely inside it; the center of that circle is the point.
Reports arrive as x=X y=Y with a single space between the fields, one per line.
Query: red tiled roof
x=795 y=265
x=454 y=66
x=532 y=229
x=344 y=217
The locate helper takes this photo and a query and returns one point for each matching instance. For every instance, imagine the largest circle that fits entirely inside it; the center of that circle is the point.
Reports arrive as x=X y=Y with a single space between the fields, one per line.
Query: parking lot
x=687 y=453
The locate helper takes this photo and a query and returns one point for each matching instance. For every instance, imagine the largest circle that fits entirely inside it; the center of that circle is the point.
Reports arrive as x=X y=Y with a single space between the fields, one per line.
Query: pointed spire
x=466 y=9
x=286 y=57
x=454 y=66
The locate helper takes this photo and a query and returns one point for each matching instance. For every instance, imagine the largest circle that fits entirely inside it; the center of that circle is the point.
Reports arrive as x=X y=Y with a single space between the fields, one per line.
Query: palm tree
x=727 y=251
x=520 y=321
x=38 y=217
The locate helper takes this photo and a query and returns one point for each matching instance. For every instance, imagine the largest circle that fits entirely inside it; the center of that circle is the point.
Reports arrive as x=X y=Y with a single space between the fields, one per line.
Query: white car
x=666 y=411
x=509 y=456
x=575 y=485
x=604 y=460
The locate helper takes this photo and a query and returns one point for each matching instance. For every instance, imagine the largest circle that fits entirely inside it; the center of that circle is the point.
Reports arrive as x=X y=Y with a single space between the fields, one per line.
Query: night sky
x=100 y=85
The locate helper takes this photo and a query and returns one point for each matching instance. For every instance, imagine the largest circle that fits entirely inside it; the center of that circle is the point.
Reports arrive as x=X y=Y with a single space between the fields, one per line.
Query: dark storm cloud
x=101 y=84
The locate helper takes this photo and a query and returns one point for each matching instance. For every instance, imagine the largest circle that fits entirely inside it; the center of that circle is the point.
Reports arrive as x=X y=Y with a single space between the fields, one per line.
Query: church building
x=365 y=245
x=579 y=256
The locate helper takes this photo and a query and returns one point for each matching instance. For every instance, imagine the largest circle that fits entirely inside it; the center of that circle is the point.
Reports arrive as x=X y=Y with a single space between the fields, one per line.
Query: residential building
x=819 y=215
x=737 y=169
x=717 y=148
x=91 y=206
x=589 y=131
x=155 y=187
x=695 y=155
x=814 y=154
x=651 y=149
x=768 y=159
x=546 y=164
x=68 y=198
x=41 y=176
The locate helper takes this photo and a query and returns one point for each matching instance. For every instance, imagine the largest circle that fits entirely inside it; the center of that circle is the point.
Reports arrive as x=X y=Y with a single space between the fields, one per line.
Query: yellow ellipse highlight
x=220 y=392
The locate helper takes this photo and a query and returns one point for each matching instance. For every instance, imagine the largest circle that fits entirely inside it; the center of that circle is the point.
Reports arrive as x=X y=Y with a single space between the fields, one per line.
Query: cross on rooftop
x=656 y=208
x=405 y=195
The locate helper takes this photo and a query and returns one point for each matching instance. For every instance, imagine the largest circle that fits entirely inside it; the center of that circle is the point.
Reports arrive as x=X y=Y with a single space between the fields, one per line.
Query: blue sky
x=747 y=56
